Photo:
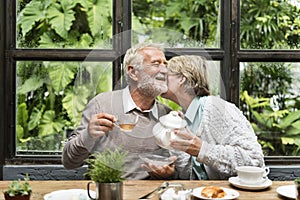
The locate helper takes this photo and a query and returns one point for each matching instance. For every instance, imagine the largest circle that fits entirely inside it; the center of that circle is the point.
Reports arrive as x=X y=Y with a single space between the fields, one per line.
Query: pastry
x=213 y=192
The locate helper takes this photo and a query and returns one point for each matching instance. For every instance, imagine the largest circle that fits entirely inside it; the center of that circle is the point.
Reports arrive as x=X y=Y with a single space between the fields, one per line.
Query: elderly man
x=145 y=70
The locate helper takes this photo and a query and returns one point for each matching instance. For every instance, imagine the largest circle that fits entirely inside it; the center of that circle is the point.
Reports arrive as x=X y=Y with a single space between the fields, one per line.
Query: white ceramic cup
x=252 y=175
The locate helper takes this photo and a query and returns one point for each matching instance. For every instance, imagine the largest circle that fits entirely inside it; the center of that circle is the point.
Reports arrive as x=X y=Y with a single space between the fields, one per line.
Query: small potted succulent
x=18 y=190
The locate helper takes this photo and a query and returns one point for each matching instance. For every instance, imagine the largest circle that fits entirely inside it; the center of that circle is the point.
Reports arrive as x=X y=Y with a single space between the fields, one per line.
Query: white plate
x=156 y=159
x=236 y=182
x=288 y=191
x=230 y=193
x=71 y=194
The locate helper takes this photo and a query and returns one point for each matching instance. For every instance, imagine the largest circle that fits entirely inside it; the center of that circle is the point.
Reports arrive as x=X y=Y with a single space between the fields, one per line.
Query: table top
x=133 y=189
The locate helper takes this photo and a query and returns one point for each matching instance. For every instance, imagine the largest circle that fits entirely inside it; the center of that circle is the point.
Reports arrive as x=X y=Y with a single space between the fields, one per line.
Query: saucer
x=69 y=194
x=288 y=191
x=235 y=181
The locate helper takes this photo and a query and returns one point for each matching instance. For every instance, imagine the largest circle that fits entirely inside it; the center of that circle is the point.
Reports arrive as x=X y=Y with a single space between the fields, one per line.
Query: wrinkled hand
x=188 y=143
x=100 y=124
x=160 y=172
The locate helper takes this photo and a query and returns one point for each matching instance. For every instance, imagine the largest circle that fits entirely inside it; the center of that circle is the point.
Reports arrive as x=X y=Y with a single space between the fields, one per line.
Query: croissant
x=213 y=192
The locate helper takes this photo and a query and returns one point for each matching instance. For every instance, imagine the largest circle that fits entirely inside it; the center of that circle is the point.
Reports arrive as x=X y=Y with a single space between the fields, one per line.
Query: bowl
x=157 y=160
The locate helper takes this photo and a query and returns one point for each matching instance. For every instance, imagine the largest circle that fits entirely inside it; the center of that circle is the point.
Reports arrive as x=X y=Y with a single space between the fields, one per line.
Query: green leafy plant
x=297 y=180
x=19 y=187
x=107 y=166
x=278 y=129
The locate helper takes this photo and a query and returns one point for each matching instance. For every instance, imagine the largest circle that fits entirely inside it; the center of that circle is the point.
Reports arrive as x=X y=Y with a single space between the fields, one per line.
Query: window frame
x=229 y=54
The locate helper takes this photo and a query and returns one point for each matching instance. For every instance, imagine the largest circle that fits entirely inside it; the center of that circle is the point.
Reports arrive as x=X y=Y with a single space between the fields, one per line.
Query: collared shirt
x=129 y=104
x=193 y=116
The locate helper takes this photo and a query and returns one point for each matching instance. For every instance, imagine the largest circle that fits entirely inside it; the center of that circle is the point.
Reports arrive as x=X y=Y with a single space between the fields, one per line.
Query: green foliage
x=278 y=130
x=64 y=23
x=266 y=80
x=107 y=166
x=52 y=95
x=269 y=24
x=171 y=104
x=190 y=23
x=19 y=188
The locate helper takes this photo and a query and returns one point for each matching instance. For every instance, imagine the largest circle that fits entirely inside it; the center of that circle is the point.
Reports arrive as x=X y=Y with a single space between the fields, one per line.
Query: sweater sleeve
x=228 y=139
x=80 y=144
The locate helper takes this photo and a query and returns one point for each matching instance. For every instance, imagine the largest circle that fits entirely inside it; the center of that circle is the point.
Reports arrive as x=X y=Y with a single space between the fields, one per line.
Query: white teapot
x=163 y=131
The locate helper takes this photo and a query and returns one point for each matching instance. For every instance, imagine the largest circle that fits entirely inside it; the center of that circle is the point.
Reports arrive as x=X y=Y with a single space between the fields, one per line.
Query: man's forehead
x=148 y=52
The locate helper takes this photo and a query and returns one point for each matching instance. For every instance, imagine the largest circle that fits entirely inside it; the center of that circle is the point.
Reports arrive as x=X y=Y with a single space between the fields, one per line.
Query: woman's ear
x=132 y=73
x=182 y=80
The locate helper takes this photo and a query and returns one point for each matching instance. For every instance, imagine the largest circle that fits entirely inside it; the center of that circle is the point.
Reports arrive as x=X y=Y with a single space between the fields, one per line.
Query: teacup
x=252 y=175
x=126 y=122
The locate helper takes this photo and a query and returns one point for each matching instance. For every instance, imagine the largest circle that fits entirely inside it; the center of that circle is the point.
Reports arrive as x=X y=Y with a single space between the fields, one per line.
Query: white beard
x=151 y=86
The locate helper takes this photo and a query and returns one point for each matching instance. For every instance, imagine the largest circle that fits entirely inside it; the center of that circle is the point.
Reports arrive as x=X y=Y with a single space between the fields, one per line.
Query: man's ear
x=132 y=73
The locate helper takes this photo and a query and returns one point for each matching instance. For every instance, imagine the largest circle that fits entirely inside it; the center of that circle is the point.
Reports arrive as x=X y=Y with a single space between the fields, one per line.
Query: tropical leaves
x=282 y=127
x=52 y=22
x=52 y=95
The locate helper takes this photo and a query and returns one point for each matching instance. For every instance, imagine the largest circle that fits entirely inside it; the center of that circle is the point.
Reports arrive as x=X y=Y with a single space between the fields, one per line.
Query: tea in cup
x=252 y=175
x=126 y=122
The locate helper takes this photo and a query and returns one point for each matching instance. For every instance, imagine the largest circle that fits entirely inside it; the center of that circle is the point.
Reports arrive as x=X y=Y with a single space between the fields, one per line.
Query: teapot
x=163 y=131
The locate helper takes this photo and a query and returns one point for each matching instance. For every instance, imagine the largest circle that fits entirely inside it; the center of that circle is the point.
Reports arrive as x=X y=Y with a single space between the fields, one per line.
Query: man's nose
x=163 y=68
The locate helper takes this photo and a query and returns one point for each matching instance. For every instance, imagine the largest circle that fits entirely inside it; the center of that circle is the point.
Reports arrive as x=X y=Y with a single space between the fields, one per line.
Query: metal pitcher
x=107 y=191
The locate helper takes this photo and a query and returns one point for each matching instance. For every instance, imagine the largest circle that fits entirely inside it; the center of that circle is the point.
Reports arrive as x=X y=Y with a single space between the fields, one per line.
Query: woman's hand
x=160 y=172
x=188 y=142
x=100 y=124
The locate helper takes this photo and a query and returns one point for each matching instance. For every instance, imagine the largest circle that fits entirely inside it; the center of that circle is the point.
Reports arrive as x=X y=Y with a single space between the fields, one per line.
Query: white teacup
x=252 y=175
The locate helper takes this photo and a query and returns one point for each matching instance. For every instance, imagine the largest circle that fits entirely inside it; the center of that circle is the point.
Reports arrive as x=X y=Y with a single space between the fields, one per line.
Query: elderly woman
x=219 y=137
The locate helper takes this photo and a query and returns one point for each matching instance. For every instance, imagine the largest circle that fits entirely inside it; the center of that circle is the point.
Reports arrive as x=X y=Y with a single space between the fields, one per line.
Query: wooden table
x=135 y=189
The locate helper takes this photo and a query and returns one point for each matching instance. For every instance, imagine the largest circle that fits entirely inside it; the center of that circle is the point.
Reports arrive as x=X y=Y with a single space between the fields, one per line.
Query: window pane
x=50 y=99
x=64 y=24
x=270 y=24
x=270 y=98
x=177 y=23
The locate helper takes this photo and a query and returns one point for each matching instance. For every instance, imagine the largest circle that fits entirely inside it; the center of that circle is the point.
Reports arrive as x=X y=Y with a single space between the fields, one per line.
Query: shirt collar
x=129 y=104
x=190 y=113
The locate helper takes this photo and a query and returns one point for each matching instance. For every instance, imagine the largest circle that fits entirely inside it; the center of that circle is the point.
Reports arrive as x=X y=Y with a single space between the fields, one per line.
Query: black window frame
x=229 y=54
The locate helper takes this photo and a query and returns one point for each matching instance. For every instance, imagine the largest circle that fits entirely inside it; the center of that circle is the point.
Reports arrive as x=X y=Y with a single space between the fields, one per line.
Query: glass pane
x=270 y=24
x=50 y=99
x=177 y=23
x=270 y=99
x=64 y=24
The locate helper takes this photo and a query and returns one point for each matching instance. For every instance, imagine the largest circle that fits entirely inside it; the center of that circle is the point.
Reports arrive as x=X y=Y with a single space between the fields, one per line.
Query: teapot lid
x=172 y=120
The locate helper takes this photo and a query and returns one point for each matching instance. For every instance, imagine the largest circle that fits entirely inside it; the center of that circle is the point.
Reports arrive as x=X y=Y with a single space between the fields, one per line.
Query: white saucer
x=237 y=183
x=69 y=194
x=230 y=193
x=288 y=191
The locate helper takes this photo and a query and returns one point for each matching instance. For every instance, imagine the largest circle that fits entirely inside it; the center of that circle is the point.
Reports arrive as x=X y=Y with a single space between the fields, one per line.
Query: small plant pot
x=24 y=197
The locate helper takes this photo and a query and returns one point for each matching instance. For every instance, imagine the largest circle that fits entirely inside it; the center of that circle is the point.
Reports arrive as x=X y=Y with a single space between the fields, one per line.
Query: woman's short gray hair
x=194 y=68
x=135 y=58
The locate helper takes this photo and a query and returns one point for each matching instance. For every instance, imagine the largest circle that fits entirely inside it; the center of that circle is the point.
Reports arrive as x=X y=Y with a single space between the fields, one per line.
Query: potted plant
x=18 y=190
x=106 y=170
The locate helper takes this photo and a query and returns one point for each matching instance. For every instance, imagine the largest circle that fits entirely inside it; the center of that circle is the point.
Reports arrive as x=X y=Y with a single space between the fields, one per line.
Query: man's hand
x=100 y=124
x=160 y=172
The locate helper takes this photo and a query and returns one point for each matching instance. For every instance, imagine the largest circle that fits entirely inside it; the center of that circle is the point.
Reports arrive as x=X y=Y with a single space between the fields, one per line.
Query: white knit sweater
x=228 y=139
